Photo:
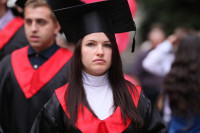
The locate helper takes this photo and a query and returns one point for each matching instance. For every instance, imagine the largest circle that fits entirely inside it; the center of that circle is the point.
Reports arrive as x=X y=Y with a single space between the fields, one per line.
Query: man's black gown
x=12 y=37
x=24 y=90
x=53 y=118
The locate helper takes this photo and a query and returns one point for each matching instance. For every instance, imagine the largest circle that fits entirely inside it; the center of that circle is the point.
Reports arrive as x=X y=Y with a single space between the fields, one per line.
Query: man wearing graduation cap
x=12 y=34
x=97 y=98
x=29 y=76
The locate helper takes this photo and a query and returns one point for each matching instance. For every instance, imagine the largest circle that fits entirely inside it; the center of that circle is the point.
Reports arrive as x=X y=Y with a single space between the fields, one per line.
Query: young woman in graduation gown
x=97 y=98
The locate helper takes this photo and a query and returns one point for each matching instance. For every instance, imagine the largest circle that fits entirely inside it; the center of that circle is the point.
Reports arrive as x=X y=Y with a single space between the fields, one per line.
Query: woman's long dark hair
x=182 y=84
x=122 y=98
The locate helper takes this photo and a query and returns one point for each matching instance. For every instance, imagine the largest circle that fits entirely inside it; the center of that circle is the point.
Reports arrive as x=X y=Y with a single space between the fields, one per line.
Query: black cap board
x=111 y=16
x=58 y=4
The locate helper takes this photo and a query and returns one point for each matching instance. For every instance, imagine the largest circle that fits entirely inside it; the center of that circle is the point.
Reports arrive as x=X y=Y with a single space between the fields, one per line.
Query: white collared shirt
x=159 y=60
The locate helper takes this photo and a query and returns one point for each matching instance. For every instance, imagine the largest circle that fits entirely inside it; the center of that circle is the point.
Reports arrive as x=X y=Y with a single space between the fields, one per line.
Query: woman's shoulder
x=52 y=105
x=144 y=104
x=141 y=102
x=135 y=92
x=152 y=120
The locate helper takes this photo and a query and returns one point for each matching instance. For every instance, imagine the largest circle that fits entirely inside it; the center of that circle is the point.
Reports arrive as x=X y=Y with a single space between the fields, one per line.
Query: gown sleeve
x=5 y=69
x=152 y=121
x=1 y=130
x=50 y=119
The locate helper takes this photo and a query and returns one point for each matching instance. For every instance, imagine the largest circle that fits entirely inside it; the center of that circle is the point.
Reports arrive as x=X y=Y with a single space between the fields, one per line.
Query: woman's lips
x=99 y=60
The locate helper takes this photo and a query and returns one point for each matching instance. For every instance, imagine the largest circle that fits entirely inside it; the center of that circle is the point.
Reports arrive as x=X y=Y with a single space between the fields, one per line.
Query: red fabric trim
x=86 y=121
x=31 y=80
x=9 y=30
x=60 y=93
x=130 y=79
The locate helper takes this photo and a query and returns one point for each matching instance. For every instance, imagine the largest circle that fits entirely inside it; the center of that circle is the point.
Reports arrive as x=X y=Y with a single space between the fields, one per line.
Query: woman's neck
x=95 y=80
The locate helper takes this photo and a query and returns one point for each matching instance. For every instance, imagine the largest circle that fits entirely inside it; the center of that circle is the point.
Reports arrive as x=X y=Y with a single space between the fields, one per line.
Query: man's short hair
x=40 y=3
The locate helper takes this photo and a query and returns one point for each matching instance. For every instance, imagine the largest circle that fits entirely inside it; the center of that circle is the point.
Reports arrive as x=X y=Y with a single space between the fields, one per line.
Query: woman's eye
x=108 y=45
x=90 y=44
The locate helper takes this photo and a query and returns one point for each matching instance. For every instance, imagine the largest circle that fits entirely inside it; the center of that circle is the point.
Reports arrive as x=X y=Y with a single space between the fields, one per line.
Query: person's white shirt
x=159 y=60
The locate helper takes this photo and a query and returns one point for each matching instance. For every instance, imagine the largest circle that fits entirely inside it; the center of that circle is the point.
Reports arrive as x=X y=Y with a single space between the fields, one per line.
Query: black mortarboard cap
x=111 y=16
x=58 y=4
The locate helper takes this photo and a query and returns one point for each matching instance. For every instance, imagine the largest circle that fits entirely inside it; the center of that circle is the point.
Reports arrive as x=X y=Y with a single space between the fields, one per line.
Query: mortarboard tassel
x=133 y=43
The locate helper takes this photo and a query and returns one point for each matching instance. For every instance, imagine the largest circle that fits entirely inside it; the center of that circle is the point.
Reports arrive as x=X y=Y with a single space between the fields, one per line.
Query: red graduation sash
x=9 y=30
x=32 y=80
x=88 y=123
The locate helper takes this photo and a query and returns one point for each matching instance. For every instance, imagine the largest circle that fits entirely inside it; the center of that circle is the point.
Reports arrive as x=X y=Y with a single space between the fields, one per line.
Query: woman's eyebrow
x=91 y=40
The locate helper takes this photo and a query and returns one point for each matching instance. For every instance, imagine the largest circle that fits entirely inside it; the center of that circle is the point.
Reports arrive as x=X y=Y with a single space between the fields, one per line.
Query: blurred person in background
x=12 y=34
x=182 y=85
x=29 y=76
x=159 y=60
x=60 y=38
x=155 y=36
x=150 y=83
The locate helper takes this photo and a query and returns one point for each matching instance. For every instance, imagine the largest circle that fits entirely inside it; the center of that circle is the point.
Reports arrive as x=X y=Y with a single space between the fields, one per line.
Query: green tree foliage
x=171 y=13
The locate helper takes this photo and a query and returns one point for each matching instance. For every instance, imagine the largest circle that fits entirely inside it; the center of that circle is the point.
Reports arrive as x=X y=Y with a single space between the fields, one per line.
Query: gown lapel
x=88 y=123
x=32 y=80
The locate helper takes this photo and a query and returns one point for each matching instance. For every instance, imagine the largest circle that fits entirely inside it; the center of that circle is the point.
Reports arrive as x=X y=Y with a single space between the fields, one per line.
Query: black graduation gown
x=53 y=118
x=12 y=37
x=24 y=90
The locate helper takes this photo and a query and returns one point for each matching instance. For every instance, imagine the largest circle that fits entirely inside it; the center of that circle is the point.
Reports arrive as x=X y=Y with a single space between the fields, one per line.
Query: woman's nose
x=100 y=50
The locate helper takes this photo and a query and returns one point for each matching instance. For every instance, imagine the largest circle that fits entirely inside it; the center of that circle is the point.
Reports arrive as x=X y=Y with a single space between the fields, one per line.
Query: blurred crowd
x=168 y=69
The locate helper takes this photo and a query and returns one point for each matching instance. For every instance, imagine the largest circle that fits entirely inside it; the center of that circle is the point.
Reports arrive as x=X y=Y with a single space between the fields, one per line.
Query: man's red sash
x=9 y=30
